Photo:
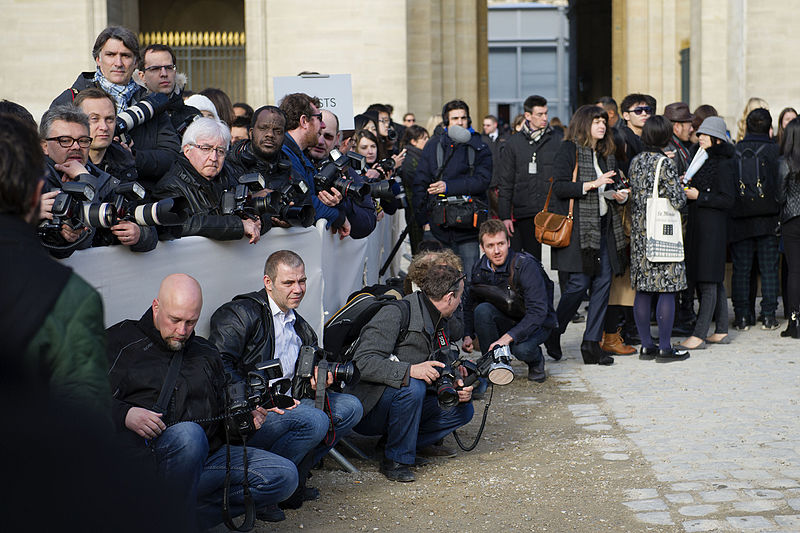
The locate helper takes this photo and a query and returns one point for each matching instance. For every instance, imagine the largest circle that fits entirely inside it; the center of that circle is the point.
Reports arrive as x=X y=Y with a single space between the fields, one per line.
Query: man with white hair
x=200 y=176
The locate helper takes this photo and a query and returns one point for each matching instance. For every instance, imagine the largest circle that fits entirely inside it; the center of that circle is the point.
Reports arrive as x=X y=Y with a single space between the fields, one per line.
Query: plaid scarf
x=534 y=135
x=589 y=205
x=122 y=94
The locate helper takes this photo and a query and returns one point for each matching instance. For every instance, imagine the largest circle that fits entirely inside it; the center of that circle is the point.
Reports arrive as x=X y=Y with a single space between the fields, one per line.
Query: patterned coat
x=647 y=276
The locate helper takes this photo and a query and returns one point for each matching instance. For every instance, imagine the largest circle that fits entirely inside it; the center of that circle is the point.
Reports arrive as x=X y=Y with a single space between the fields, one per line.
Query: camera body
x=278 y=203
x=254 y=391
x=344 y=374
x=445 y=385
x=333 y=175
x=494 y=365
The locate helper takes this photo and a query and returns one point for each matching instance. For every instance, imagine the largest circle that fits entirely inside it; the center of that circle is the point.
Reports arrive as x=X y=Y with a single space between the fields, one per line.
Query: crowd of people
x=129 y=156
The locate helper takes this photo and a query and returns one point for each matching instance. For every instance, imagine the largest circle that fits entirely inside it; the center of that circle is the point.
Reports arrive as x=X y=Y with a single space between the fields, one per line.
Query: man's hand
x=127 y=232
x=71 y=235
x=331 y=199
x=505 y=340
x=46 y=204
x=344 y=229
x=692 y=193
x=276 y=410
x=145 y=423
x=426 y=371
x=329 y=380
x=259 y=415
x=509 y=224
x=280 y=223
x=467 y=345
x=437 y=187
x=464 y=393
x=252 y=229
x=128 y=146
x=372 y=174
x=72 y=168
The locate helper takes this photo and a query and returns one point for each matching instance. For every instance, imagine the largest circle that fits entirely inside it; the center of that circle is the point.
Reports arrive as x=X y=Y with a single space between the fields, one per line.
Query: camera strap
x=441 y=338
x=249 y=505
x=169 y=383
x=322 y=381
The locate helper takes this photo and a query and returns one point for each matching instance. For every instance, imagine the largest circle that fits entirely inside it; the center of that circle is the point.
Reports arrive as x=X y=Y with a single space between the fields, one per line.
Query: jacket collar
x=147 y=326
x=487 y=265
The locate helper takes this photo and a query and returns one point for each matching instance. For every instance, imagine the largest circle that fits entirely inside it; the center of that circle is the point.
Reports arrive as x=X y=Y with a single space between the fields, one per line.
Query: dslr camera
x=140 y=112
x=333 y=175
x=388 y=188
x=343 y=373
x=494 y=365
x=254 y=391
x=277 y=203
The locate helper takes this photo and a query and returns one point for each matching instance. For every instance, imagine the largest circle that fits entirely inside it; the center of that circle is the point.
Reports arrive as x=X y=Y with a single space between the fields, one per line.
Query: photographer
x=165 y=377
x=366 y=144
x=200 y=176
x=155 y=143
x=263 y=325
x=449 y=168
x=360 y=214
x=66 y=141
x=485 y=314
x=396 y=372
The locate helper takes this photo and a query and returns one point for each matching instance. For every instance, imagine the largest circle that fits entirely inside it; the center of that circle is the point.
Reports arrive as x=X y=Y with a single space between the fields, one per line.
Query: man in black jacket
x=501 y=267
x=636 y=109
x=155 y=143
x=523 y=175
x=200 y=176
x=177 y=421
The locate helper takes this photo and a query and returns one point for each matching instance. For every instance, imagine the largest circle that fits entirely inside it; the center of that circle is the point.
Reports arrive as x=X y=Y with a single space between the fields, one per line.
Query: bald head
x=177 y=309
x=328 y=136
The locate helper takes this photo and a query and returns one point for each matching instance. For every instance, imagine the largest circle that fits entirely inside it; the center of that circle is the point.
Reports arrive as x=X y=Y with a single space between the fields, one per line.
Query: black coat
x=119 y=162
x=495 y=147
x=707 y=225
x=743 y=225
x=521 y=194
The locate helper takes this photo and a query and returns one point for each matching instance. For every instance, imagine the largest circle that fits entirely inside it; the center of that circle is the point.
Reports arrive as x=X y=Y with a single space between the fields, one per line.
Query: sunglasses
x=454 y=286
x=646 y=109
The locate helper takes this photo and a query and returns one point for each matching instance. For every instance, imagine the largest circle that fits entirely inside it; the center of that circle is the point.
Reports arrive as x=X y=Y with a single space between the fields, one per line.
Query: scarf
x=122 y=94
x=533 y=135
x=589 y=220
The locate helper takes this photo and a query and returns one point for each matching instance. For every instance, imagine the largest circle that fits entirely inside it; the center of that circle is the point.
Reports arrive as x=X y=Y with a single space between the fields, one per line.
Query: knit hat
x=714 y=127
x=202 y=103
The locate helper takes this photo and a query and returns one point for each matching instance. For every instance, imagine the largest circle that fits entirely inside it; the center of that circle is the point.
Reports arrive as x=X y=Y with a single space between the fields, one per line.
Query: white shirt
x=493 y=136
x=287 y=341
x=602 y=188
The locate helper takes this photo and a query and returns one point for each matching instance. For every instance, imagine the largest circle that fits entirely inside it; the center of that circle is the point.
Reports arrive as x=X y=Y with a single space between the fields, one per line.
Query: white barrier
x=128 y=281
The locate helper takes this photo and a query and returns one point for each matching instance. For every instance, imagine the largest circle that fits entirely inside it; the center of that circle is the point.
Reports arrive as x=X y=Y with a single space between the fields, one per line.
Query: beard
x=175 y=345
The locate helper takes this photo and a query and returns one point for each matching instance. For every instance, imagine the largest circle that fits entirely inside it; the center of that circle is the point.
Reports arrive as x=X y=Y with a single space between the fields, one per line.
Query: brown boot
x=613 y=343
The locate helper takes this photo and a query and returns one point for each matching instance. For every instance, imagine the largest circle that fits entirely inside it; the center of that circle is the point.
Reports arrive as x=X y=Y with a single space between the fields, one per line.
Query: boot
x=615 y=344
x=793 y=327
x=553 y=345
x=594 y=355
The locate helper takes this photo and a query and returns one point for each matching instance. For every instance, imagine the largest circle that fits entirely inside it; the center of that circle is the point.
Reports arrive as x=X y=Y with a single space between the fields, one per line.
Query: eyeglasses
x=316 y=115
x=384 y=120
x=206 y=149
x=646 y=109
x=157 y=68
x=65 y=141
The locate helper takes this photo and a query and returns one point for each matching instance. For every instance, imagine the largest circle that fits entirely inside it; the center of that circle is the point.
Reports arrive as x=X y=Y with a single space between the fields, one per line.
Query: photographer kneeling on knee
x=397 y=370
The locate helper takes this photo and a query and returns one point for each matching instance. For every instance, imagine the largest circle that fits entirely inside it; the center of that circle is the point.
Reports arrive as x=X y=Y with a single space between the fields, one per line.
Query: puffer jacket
x=788 y=192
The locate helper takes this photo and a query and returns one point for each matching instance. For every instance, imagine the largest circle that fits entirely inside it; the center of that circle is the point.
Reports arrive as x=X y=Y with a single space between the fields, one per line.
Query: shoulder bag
x=553 y=229
x=663 y=227
x=505 y=298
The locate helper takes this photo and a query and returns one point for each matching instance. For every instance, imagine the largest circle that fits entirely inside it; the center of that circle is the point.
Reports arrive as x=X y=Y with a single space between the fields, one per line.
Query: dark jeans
x=411 y=419
x=791 y=246
x=491 y=324
x=742 y=252
x=713 y=303
x=524 y=238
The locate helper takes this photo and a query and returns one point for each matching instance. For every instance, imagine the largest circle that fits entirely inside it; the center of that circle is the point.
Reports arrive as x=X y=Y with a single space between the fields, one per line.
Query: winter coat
x=789 y=192
x=495 y=147
x=707 y=224
x=743 y=225
x=119 y=162
x=645 y=275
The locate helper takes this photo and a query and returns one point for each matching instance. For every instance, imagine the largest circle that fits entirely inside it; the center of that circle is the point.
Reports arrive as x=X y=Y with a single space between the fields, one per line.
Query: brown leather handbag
x=553 y=229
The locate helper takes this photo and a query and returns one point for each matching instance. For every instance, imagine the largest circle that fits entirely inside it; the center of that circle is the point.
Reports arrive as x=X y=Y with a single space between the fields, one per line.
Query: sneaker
x=740 y=323
x=770 y=322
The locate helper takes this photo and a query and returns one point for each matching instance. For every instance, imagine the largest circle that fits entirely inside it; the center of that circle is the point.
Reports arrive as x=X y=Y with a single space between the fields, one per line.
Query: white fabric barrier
x=129 y=281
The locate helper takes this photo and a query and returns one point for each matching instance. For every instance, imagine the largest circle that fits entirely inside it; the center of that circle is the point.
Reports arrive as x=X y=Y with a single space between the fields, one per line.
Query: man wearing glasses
x=636 y=109
x=65 y=142
x=158 y=72
x=200 y=176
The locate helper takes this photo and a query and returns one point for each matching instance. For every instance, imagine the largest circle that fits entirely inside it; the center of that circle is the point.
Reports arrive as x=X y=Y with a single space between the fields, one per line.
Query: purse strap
x=655 y=180
x=571 y=200
x=511 y=271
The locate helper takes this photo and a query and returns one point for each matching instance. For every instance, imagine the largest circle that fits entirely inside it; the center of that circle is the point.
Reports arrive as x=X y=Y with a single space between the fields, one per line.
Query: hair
x=534 y=101
x=779 y=133
x=241 y=122
x=21 y=163
x=187 y=93
x=269 y=108
x=363 y=134
x=759 y=121
x=701 y=113
x=13 y=108
x=156 y=47
x=555 y=122
x=206 y=128
x=608 y=103
x=790 y=146
x=379 y=108
x=361 y=121
x=493 y=226
x=453 y=105
x=94 y=93
x=221 y=102
x=752 y=103
x=389 y=109
x=413 y=133
x=519 y=119
x=492 y=118
x=657 y=132
x=125 y=35
x=67 y=113
x=422 y=262
x=433 y=122
x=281 y=257
x=296 y=105
x=439 y=281
x=580 y=129
x=409 y=114
x=635 y=98
x=248 y=111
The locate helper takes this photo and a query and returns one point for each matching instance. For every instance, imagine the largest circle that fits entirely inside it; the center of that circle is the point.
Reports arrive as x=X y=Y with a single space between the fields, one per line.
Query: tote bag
x=664 y=236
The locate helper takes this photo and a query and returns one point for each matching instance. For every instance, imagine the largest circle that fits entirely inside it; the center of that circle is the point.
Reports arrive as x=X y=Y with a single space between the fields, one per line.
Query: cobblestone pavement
x=720 y=430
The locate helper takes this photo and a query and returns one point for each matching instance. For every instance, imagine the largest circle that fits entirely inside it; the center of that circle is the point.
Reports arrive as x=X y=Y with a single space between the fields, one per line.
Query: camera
x=275 y=204
x=445 y=384
x=389 y=189
x=254 y=391
x=343 y=373
x=494 y=365
x=140 y=112
x=333 y=174
x=73 y=207
x=391 y=133
x=126 y=206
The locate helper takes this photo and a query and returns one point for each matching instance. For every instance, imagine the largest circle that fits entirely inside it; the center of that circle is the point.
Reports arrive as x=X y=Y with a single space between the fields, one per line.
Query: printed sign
x=335 y=92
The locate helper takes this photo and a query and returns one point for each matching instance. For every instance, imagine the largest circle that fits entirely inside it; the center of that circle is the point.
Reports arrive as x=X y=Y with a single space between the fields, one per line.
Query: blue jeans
x=411 y=419
x=491 y=324
x=346 y=411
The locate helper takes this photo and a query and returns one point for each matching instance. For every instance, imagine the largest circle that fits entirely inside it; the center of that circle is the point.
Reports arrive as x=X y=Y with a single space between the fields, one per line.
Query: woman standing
x=789 y=172
x=597 y=247
x=655 y=280
x=711 y=194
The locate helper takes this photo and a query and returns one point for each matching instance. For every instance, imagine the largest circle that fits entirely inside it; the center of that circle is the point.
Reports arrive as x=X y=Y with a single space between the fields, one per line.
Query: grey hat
x=715 y=127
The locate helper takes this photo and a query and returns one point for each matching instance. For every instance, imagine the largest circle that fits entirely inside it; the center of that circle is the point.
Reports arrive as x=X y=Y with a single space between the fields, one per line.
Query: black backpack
x=755 y=195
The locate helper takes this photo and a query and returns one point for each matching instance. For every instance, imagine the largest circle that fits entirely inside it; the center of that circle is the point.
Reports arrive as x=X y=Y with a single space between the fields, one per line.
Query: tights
x=665 y=316
x=791 y=245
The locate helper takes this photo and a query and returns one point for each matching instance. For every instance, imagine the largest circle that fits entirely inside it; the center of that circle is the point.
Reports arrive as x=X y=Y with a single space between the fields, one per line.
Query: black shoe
x=648 y=354
x=793 y=326
x=396 y=471
x=672 y=354
x=271 y=513
x=422 y=461
x=536 y=375
x=553 y=345
x=740 y=323
x=578 y=318
x=303 y=493
x=594 y=355
x=631 y=336
x=770 y=322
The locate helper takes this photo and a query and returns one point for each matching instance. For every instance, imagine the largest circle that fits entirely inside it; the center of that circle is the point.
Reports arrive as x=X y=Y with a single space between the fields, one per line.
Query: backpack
x=754 y=194
x=342 y=331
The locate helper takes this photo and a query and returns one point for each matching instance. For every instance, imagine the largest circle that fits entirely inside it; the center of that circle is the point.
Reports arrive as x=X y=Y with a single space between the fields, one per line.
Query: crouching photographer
x=168 y=408
x=256 y=327
x=397 y=370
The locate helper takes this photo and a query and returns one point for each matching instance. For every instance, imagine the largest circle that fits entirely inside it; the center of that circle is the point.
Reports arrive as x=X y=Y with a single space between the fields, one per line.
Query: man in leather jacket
x=263 y=325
